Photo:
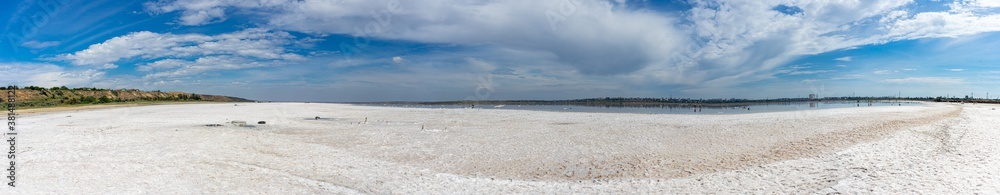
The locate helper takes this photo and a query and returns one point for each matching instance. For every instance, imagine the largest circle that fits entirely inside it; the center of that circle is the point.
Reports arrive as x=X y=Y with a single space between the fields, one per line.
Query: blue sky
x=385 y=50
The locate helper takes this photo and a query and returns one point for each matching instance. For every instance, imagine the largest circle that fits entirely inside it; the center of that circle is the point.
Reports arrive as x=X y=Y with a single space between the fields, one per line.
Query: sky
x=437 y=50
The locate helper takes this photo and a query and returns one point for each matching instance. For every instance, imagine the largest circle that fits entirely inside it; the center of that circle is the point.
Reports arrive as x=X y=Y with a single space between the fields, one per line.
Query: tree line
x=37 y=88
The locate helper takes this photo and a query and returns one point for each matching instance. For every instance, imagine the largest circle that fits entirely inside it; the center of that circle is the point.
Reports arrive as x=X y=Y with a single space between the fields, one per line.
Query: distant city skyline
x=440 y=50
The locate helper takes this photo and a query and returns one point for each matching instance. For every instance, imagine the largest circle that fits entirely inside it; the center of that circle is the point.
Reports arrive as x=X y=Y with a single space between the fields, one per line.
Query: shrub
x=88 y=100
x=104 y=99
x=33 y=88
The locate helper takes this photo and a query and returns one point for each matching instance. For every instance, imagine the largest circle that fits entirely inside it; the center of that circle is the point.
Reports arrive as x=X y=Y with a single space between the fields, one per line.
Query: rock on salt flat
x=938 y=148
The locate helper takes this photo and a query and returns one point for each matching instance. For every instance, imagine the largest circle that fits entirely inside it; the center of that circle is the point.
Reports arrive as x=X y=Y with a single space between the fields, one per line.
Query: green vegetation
x=36 y=97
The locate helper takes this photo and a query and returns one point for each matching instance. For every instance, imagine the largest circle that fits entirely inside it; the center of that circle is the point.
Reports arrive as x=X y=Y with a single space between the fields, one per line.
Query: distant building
x=812 y=96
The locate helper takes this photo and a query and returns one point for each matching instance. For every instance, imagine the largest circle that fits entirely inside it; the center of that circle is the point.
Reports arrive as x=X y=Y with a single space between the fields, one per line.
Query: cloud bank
x=710 y=45
x=172 y=55
x=716 y=42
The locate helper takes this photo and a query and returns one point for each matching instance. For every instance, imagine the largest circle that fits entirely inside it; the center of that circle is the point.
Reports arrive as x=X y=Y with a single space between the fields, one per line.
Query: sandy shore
x=97 y=106
x=937 y=148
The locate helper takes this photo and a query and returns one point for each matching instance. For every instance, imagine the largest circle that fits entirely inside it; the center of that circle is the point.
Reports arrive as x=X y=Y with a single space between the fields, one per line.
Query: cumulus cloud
x=202 y=64
x=974 y=5
x=254 y=42
x=942 y=24
x=47 y=75
x=596 y=37
x=723 y=42
x=248 y=48
x=397 y=60
x=198 y=12
x=747 y=39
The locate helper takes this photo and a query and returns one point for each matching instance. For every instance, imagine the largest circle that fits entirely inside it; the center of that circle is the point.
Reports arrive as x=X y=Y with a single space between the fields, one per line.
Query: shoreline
x=678 y=102
x=67 y=108
x=700 y=113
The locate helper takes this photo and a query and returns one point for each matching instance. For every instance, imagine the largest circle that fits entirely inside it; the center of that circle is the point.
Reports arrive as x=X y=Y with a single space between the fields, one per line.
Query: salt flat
x=936 y=148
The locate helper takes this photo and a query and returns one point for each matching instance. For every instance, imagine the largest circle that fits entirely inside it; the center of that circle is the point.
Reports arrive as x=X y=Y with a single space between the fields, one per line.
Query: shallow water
x=759 y=108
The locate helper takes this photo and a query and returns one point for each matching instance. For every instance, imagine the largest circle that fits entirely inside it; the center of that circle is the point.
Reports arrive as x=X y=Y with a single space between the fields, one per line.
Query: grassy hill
x=36 y=97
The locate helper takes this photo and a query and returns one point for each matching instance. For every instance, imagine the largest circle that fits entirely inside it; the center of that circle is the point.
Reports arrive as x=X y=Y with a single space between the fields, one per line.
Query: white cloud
x=747 y=38
x=200 y=12
x=70 y=78
x=203 y=64
x=847 y=77
x=974 y=5
x=804 y=72
x=955 y=70
x=883 y=72
x=986 y=3
x=725 y=42
x=108 y=66
x=594 y=36
x=163 y=64
x=254 y=43
x=40 y=45
x=47 y=75
x=925 y=80
x=942 y=24
x=242 y=49
x=351 y=63
x=397 y=59
x=844 y=59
